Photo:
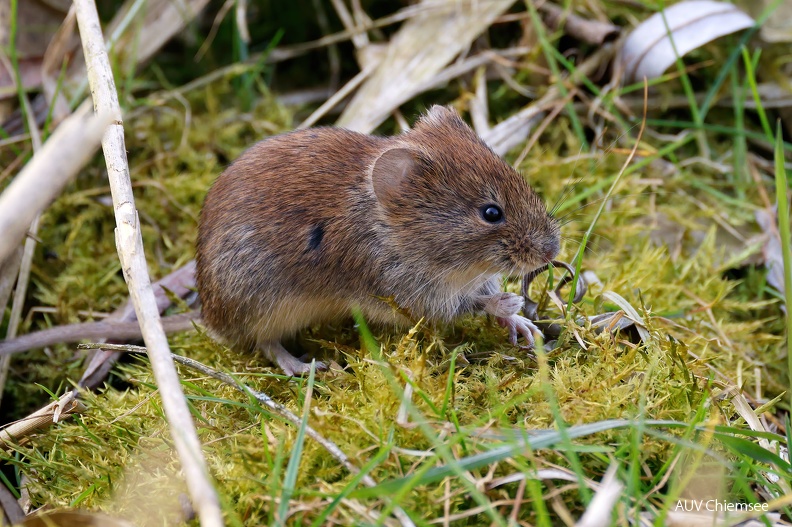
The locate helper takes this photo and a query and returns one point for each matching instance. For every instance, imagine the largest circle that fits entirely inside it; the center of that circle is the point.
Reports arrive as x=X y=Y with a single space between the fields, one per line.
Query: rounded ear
x=441 y=117
x=442 y=113
x=392 y=170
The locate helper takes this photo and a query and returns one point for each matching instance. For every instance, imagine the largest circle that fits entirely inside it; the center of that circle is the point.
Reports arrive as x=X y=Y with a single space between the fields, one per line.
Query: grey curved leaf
x=648 y=51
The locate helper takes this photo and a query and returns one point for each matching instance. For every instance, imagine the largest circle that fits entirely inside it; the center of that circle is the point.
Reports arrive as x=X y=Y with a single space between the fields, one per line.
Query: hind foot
x=288 y=363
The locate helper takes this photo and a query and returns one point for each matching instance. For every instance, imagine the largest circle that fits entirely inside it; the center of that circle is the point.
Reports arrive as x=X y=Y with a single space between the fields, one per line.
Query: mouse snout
x=534 y=249
x=550 y=248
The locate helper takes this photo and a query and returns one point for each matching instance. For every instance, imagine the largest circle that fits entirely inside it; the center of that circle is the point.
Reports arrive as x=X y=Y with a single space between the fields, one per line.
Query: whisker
x=570 y=188
x=594 y=247
x=560 y=200
x=598 y=200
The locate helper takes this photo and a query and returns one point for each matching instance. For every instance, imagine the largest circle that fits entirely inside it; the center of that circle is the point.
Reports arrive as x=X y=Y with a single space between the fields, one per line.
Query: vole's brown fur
x=305 y=225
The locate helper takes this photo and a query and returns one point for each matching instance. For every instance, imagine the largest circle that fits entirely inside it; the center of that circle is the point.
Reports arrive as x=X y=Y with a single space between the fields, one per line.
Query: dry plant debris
x=669 y=374
x=656 y=43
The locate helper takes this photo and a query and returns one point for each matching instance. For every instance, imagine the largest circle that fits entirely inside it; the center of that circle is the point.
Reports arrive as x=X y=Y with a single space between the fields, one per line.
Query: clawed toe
x=512 y=334
x=298 y=368
x=519 y=325
x=288 y=363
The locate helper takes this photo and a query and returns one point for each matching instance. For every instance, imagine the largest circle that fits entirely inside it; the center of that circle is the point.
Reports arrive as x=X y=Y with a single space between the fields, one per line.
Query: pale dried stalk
x=514 y=130
x=600 y=510
x=8 y=274
x=336 y=98
x=27 y=260
x=359 y=38
x=42 y=179
x=54 y=57
x=133 y=263
x=16 y=432
x=158 y=23
x=421 y=49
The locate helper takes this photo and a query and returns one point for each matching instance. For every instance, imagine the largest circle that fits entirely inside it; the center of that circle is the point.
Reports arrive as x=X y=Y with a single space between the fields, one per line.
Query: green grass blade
x=352 y=485
x=783 y=230
x=741 y=180
x=754 y=451
x=293 y=467
x=578 y=261
x=558 y=418
x=442 y=449
x=732 y=58
x=500 y=453
x=449 y=391
x=577 y=126
x=750 y=75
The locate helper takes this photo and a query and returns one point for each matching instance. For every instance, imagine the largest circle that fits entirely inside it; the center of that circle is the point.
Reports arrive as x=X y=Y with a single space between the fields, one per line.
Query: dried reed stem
x=42 y=179
x=133 y=263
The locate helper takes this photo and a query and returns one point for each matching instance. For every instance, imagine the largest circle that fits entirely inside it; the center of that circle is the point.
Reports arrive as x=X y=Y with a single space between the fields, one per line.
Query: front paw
x=519 y=325
x=503 y=305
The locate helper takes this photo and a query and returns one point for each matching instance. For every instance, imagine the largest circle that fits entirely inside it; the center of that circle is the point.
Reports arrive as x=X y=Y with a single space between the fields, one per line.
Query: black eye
x=491 y=213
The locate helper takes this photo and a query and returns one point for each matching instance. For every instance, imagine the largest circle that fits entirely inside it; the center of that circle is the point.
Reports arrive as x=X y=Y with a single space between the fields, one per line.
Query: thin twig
x=133 y=262
x=104 y=329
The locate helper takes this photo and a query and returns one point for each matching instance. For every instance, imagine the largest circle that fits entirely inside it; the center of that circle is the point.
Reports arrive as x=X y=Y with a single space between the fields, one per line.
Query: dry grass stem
x=59 y=47
x=120 y=325
x=69 y=148
x=16 y=432
x=514 y=130
x=161 y=20
x=600 y=510
x=336 y=98
x=110 y=328
x=422 y=47
x=133 y=262
x=20 y=293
